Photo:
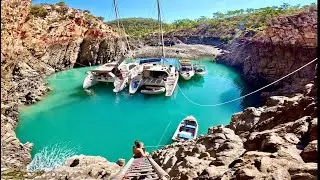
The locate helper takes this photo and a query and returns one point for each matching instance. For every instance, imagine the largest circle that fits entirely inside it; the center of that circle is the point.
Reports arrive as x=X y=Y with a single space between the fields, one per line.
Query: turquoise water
x=107 y=124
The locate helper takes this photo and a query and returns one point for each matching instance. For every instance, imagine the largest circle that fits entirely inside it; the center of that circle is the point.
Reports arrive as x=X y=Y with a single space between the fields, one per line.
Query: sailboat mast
x=121 y=30
x=160 y=22
x=117 y=13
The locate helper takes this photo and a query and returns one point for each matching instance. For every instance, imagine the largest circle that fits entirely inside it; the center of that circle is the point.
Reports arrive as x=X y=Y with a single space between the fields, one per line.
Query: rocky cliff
x=37 y=41
x=287 y=43
x=275 y=141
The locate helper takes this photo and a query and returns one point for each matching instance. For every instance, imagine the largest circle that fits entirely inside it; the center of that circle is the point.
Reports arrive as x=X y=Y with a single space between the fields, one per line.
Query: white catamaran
x=155 y=78
x=112 y=72
x=104 y=73
x=127 y=70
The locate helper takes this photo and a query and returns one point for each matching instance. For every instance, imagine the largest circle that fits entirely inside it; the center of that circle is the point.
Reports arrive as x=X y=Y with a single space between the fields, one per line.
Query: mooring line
x=213 y=105
x=164 y=133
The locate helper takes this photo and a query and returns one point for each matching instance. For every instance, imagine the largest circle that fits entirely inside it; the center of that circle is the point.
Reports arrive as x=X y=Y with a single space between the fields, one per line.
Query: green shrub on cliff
x=101 y=18
x=140 y=27
x=228 y=25
x=61 y=3
x=38 y=11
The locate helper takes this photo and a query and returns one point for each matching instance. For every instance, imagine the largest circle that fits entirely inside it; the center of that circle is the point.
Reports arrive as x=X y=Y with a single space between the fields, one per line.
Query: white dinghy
x=153 y=90
x=187 y=129
x=200 y=69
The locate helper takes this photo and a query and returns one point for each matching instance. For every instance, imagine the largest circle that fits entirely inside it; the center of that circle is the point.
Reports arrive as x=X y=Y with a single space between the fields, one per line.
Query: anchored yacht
x=127 y=70
x=157 y=79
x=199 y=69
x=186 y=69
x=136 y=79
x=104 y=73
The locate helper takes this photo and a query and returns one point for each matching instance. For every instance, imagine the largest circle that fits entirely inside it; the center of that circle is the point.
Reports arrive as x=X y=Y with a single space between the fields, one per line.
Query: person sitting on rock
x=138 y=150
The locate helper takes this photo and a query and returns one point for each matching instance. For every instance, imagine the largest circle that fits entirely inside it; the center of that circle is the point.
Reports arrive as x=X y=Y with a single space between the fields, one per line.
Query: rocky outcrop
x=83 y=167
x=75 y=167
x=287 y=43
x=269 y=142
x=37 y=41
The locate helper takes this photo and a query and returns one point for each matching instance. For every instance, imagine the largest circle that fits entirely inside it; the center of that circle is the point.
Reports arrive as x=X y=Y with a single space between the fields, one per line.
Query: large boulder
x=310 y=152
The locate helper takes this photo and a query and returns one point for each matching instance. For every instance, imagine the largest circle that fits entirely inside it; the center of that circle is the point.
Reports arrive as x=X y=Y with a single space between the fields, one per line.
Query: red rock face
x=285 y=45
x=298 y=30
x=33 y=47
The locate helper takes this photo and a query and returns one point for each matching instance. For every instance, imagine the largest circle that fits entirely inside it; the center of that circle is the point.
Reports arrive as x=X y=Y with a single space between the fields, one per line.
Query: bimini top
x=143 y=61
x=156 y=67
x=105 y=67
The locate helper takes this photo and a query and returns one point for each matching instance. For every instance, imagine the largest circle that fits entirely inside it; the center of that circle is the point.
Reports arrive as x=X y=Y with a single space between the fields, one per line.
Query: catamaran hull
x=89 y=81
x=134 y=86
x=187 y=76
x=174 y=85
x=118 y=88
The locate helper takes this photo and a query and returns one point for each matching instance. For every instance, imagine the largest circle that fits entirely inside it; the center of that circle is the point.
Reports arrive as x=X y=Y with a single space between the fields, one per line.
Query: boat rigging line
x=121 y=28
x=164 y=133
x=160 y=28
x=219 y=104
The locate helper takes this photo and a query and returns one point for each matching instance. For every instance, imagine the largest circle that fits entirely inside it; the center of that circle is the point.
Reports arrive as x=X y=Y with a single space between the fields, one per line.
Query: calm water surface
x=106 y=124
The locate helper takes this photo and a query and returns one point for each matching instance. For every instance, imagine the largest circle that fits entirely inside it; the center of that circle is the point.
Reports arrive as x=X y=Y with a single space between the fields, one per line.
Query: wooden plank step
x=140 y=171
x=136 y=168
x=143 y=178
x=144 y=166
x=141 y=164
x=138 y=174
x=136 y=165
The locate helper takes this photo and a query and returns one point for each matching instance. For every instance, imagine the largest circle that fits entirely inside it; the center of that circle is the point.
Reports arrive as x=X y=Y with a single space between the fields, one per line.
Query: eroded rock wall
x=287 y=44
x=35 y=45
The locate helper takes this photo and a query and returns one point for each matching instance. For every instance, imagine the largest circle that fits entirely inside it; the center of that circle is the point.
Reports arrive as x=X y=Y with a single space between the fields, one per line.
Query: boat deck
x=172 y=82
x=153 y=81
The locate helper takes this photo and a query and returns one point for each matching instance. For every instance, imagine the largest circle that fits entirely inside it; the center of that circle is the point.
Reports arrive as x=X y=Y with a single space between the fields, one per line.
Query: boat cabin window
x=186 y=68
x=132 y=66
x=155 y=74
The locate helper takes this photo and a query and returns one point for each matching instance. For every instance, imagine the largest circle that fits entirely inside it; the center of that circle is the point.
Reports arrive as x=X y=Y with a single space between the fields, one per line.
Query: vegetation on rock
x=139 y=27
x=61 y=3
x=38 y=11
x=228 y=25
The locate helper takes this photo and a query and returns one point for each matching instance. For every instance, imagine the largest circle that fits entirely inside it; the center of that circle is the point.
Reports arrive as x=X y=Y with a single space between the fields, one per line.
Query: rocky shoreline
x=288 y=43
x=190 y=51
x=35 y=45
x=276 y=141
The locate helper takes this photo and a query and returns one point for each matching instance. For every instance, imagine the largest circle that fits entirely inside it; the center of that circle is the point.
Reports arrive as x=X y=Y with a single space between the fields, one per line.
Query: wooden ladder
x=141 y=168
